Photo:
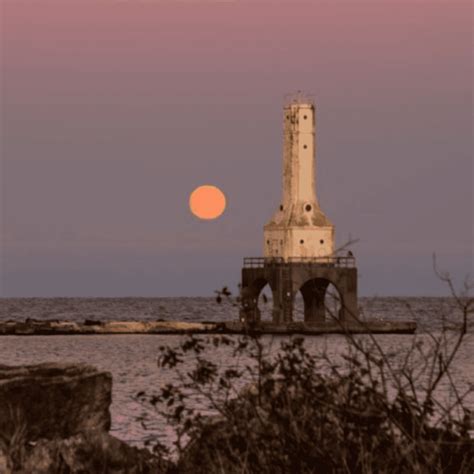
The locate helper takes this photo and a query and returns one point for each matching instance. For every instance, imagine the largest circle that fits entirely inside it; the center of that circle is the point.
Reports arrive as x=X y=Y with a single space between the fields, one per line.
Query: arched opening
x=265 y=303
x=257 y=299
x=321 y=301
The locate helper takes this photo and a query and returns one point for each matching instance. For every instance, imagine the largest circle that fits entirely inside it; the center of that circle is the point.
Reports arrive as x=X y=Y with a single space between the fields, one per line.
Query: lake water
x=132 y=359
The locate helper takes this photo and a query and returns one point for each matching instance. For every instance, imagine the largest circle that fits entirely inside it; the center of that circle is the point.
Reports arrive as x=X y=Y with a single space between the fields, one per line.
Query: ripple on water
x=132 y=359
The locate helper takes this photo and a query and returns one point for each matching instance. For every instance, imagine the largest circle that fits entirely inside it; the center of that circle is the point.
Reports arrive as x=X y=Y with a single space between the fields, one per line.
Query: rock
x=88 y=453
x=92 y=322
x=54 y=419
x=53 y=401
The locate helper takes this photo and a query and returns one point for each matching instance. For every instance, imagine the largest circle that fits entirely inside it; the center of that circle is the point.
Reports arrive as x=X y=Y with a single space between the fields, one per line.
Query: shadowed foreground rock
x=53 y=400
x=54 y=418
x=92 y=452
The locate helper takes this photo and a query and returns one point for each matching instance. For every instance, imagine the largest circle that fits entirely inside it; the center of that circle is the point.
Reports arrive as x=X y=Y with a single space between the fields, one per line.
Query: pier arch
x=310 y=277
x=258 y=298
x=322 y=300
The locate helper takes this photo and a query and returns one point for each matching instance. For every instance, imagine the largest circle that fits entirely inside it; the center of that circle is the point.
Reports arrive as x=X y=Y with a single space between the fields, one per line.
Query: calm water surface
x=132 y=358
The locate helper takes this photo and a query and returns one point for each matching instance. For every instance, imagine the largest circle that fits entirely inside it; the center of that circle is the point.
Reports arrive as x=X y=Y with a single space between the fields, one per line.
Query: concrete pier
x=54 y=327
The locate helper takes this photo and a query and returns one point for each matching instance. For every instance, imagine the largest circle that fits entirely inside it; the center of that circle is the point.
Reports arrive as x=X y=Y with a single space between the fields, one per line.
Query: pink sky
x=114 y=110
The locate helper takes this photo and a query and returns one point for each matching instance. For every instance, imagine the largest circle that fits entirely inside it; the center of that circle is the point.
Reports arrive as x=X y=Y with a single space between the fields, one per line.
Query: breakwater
x=90 y=327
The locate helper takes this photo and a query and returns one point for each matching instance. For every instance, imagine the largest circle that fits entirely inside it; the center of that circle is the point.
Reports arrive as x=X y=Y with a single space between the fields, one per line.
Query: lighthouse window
x=321 y=241
x=268 y=242
x=305 y=146
x=308 y=207
x=301 y=241
x=281 y=208
x=305 y=117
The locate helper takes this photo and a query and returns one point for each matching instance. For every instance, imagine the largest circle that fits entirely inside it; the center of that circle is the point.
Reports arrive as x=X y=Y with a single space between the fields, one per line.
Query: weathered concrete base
x=34 y=327
x=311 y=278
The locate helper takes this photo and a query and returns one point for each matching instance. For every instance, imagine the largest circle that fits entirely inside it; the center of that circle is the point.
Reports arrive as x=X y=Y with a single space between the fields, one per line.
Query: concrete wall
x=274 y=243
x=298 y=154
x=301 y=241
x=310 y=242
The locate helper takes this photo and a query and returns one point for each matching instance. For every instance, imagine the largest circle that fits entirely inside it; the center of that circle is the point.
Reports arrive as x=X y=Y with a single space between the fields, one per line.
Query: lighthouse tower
x=299 y=253
x=299 y=228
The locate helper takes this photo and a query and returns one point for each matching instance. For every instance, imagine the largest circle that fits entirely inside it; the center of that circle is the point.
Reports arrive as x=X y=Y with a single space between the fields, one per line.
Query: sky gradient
x=113 y=111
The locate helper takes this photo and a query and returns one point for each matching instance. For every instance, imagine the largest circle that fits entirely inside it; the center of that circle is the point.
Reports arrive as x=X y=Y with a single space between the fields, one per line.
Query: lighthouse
x=299 y=228
x=299 y=252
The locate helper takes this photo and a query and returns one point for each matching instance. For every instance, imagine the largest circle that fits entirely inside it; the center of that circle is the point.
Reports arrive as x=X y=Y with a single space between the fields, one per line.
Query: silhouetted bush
x=294 y=411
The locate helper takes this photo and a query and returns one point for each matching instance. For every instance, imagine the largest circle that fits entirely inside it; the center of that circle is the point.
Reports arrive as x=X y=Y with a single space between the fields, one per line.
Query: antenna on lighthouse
x=298 y=97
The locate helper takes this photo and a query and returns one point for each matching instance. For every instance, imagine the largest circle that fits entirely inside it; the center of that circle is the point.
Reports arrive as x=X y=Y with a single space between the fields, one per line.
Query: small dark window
x=268 y=241
x=281 y=207
x=301 y=241
x=305 y=117
x=287 y=116
x=305 y=146
x=321 y=241
x=308 y=207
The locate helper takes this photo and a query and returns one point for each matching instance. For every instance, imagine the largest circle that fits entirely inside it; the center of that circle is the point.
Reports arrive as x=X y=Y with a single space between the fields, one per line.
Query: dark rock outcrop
x=89 y=452
x=53 y=400
x=54 y=418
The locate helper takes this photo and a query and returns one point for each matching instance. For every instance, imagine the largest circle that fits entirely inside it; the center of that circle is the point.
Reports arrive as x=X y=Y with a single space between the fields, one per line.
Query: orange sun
x=207 y=202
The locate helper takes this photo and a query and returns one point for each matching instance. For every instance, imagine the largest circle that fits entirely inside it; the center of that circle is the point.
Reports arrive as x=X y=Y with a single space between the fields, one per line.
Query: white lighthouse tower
x=299 y=230
x=299 y=252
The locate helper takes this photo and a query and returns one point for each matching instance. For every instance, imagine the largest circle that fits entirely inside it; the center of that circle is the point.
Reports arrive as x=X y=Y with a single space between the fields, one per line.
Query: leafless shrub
x=370 y=411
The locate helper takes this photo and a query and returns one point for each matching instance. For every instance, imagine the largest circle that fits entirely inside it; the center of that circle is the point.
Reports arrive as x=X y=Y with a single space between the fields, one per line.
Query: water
x=132 y=359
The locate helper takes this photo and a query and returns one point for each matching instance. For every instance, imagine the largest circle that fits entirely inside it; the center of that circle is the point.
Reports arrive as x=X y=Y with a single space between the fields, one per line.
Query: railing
x=334 y=261
x=258 y=262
